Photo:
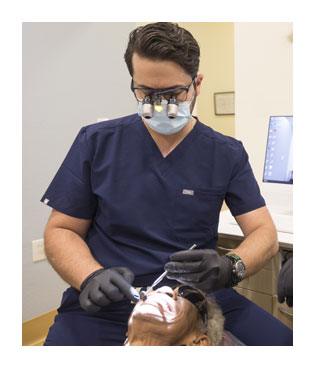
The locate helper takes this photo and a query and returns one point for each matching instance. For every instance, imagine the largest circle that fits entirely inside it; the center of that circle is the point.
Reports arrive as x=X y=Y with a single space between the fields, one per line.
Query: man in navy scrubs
x=134 y=193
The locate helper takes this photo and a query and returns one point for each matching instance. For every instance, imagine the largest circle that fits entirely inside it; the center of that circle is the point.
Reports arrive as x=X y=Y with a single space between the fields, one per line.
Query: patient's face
x=164 y=319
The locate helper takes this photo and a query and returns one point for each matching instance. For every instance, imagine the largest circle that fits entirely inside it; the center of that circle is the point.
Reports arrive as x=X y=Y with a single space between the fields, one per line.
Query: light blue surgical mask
x=164 y=125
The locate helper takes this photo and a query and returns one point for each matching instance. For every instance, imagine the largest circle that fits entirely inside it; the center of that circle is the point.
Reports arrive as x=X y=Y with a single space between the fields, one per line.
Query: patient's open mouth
x=163 y=307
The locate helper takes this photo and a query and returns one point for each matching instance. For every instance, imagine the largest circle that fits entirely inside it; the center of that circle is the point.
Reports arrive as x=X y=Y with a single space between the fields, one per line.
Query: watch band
x=233 y=256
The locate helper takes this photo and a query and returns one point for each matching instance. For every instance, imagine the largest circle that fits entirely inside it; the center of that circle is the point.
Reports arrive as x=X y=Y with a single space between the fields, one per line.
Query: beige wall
x=216 y=42
x=263 y=74
x=263 y=82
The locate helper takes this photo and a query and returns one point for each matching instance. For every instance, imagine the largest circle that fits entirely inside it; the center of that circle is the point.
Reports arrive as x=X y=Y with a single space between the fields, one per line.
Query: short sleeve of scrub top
x=243 y=193
x=70 y=190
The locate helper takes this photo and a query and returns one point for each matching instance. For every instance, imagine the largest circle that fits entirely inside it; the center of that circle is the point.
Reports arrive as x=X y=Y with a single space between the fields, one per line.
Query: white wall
x=263 y=84
x=73 y=73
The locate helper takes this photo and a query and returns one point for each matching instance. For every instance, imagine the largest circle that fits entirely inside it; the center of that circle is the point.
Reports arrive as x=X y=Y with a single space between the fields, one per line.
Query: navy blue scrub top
x=144 y=207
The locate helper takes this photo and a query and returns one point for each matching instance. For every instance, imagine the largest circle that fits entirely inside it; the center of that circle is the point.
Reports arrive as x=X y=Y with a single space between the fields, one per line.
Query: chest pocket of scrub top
x=196 y=211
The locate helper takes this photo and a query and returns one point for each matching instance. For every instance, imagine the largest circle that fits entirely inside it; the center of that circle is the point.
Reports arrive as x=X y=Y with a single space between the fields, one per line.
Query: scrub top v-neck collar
x=157 y=159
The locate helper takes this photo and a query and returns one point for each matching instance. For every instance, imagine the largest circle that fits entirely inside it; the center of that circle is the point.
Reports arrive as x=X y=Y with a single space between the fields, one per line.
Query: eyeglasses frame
x=157 y=93
x=200 y=304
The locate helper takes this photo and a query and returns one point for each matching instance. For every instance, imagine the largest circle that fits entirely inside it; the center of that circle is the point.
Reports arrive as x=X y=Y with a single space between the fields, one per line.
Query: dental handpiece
x=159 y=279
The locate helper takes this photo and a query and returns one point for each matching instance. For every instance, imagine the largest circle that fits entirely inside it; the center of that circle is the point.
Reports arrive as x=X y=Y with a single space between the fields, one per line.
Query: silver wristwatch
x=238 y=268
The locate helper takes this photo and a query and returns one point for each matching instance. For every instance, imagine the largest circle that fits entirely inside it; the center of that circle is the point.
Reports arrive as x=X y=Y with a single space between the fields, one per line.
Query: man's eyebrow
x=169 y=87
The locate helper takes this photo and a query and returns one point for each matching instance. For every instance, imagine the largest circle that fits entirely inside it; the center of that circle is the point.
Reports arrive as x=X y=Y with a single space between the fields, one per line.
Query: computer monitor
x=278 y=164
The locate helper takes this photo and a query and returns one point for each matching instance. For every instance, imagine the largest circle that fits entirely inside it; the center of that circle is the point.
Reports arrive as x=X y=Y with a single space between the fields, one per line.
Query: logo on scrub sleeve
x=189 y=192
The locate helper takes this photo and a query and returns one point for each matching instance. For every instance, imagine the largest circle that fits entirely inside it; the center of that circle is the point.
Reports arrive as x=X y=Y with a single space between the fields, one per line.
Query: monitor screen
x=278 y=165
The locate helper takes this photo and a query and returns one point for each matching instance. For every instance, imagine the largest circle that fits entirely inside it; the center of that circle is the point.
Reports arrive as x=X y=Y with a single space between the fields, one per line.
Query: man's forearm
x=258 y=248
x=69 y=255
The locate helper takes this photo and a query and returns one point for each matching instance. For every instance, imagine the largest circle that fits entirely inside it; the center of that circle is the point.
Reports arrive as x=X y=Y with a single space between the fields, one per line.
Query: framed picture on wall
x=224 y=103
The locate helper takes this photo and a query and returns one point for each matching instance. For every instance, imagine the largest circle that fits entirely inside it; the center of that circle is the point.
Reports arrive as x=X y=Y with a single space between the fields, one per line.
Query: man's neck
x=167 y=143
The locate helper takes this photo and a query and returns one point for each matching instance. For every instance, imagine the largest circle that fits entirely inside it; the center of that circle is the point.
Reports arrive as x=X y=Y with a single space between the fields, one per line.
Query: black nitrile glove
x=285 y=286
x=105 y=286
x=204 y=269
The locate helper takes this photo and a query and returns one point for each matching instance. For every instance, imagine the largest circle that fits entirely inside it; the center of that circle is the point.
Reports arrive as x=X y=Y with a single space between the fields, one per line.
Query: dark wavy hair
x=166 y=42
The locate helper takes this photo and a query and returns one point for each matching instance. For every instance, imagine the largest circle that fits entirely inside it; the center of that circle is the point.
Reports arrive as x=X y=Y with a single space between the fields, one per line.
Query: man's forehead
x=156 y=74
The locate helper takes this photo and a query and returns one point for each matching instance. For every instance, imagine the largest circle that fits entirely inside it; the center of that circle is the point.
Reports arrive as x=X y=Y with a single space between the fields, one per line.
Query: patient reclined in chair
x=183 y=316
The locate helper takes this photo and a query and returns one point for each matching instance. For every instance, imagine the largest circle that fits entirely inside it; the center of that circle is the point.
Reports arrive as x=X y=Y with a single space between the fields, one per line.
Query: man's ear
x=201 y=340
x=198 y=83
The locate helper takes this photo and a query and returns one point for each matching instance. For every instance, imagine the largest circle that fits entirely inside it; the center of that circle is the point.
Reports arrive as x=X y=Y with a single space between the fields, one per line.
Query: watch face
x=240 y=269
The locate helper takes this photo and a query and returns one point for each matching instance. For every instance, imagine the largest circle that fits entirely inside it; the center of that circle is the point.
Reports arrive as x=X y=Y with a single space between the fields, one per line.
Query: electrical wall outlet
x=38 y=250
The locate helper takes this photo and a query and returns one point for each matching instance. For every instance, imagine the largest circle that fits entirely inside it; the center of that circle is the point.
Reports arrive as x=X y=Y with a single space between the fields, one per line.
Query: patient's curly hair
x=214 y=326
